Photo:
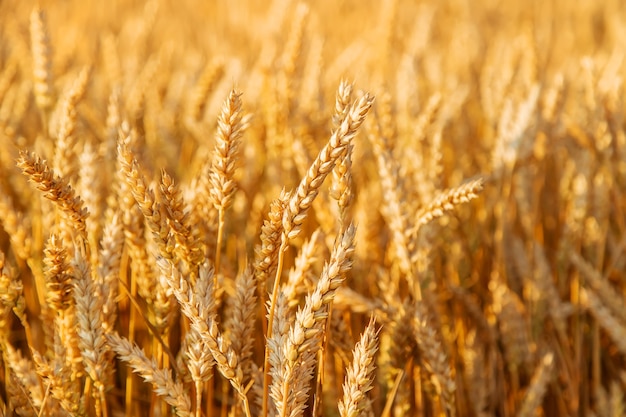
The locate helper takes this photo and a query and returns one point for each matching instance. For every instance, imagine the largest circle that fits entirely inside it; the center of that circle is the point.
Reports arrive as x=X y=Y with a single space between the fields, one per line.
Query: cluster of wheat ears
x=334 y=208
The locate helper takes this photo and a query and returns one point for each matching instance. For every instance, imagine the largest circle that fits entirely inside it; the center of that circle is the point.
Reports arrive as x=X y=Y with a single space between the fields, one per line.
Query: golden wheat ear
x=42 y=62
x=447 y=200
x=161 y=379
x=56 y=189
x=360 y=373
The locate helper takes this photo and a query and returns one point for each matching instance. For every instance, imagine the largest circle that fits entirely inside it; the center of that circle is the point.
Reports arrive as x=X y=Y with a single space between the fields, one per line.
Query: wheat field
x=312 y=208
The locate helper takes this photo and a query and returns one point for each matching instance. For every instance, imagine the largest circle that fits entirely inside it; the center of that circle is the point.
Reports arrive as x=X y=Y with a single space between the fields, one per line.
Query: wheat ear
x=613 y=325
x=393 y=209
x=144 y=197
x=447 y=200
x=203 y=88
x=600 y=285
x=290 y=390
x=435 y=358
x=538 y=386
x=342 y=177
x=58 y=275
x=296 y=283
x=26 y=382
x=42 y=71
x=243 y=318
x=267 y=252
x=56 y=189
x=64 y=161
x=197 y=306
x=360 y=373
x=230 y=126
x=93 y=347
x=187 y=246
x=164 y=385
x=17 y=226
x=309 y=186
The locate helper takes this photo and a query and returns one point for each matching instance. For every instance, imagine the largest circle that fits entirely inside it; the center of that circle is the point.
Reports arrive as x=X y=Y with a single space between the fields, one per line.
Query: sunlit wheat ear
x=109 y=269
x=242 y=321
x=337 y=146
x=65 y=158
x=447 y=200
x=203 y=88
x=392 y=210
x=58 y=275
x=42 y=65
x=230 y=126
x=25 y=392
x=93 y=346
x=360 y=373
x=57 y=379
x=197 y=305
x=56 y=189
x=12 y=296
x=297 y=284
x=300 y=201
x=187 y=247
x=17 y=226
x=144 y=196
x=161 y=379
x=538 y=386
x=290 y=391
x=434 y=357
x=271 y=231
